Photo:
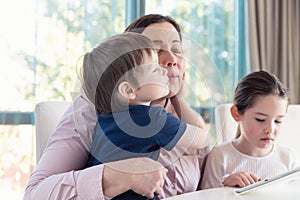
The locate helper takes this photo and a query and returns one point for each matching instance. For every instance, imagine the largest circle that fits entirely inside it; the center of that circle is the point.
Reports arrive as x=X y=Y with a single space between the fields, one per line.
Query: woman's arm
x=54 y=176
x=131 y=174
x=60 y=173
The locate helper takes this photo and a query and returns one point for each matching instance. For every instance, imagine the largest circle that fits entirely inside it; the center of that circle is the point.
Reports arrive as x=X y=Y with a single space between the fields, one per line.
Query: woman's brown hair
x=143 y=22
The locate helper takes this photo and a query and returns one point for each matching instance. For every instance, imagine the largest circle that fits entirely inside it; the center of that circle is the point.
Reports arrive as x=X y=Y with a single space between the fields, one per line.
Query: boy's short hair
x=105 y=66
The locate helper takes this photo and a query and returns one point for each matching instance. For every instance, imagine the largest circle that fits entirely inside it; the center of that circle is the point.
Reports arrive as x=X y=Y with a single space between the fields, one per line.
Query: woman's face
x=169 y=49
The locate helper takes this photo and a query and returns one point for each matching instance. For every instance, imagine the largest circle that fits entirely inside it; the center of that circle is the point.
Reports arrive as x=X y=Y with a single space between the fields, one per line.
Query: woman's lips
x=172 y=76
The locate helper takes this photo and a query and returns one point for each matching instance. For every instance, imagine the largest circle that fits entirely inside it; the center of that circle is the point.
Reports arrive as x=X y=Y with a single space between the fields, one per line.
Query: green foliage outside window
x=209 y=45
x=65 y=30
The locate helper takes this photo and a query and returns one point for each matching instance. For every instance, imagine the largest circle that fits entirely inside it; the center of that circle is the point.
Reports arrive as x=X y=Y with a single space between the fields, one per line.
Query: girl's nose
x=270 y=127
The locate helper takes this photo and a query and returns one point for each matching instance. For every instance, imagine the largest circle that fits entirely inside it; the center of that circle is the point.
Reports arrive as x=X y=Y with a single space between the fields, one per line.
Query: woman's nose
x=168 y=59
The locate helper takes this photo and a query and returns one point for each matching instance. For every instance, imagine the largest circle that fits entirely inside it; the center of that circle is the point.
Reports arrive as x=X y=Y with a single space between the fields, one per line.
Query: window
x=42 y=42
x=209 y=30
x=214 y=52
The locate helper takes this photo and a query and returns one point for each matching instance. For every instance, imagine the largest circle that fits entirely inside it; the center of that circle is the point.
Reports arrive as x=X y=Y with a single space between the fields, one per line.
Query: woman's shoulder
x=84 y=118
x=81 y=103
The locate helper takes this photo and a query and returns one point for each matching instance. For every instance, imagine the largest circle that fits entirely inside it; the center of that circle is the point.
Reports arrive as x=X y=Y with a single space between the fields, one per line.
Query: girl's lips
x=267 y=139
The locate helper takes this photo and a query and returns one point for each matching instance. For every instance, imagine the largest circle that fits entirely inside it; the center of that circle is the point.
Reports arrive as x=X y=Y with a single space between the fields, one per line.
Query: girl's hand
x=240 y=179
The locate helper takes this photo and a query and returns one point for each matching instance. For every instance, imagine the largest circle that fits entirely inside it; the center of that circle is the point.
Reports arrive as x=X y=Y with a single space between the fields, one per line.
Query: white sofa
x=47 y=115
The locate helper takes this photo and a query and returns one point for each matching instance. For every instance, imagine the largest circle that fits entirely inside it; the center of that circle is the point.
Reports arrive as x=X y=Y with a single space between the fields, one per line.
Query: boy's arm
x=186 y=113
x=196 y=133
x=194 y=137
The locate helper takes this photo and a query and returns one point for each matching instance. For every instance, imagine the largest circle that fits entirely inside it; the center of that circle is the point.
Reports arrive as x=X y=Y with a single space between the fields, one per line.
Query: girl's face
x=169 y=49
x=261 y=124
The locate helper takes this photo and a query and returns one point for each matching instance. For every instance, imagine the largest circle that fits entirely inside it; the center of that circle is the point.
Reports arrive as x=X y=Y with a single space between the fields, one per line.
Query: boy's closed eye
x=155 y=69
x=159 y=50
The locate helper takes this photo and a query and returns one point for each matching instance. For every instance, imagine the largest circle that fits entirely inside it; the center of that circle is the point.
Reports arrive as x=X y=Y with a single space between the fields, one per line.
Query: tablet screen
x=267 y=181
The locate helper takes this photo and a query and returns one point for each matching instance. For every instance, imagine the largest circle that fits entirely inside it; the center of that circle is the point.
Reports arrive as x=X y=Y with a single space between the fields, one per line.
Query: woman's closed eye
x=174 y=51
x=177 y=51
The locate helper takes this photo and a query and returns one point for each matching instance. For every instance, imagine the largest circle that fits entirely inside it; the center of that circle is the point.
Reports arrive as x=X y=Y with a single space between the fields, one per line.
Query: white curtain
x=274 y=41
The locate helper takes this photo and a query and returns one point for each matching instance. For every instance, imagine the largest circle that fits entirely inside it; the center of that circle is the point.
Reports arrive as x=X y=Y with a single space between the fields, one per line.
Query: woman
x=60 y=173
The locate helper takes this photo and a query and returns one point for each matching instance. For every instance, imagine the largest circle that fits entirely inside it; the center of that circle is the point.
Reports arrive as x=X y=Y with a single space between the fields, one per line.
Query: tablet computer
x=267 y=181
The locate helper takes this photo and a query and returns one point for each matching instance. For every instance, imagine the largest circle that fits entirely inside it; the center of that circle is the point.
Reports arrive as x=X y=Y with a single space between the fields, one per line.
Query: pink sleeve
x=59 y=173
x=184 y=170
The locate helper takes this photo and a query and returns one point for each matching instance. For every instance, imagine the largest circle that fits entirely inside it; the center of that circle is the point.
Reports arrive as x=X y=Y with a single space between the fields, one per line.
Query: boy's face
x=153 y=81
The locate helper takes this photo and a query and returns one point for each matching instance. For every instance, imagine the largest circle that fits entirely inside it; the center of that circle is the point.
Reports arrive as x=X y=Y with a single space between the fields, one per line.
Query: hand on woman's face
x=168 y=44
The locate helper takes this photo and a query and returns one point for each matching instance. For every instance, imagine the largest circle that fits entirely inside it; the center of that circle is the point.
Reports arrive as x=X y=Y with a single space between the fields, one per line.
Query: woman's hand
x=142 y=175
x=177 y=89
x=148 y=183
x=240 y=179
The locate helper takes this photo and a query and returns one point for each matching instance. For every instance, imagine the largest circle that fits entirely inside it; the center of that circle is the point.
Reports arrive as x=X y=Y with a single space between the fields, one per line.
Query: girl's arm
x=214 y=172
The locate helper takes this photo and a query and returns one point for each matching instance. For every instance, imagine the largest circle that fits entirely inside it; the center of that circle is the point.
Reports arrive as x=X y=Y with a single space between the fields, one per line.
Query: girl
x=260 y=105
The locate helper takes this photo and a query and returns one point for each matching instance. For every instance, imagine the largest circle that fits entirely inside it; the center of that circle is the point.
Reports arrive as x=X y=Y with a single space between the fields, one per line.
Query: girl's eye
x=259 y=120
x=278 y=121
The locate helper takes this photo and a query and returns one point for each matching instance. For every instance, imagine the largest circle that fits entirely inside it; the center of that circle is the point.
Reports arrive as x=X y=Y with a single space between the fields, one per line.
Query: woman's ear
x=235 y=113
x=126 y=90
